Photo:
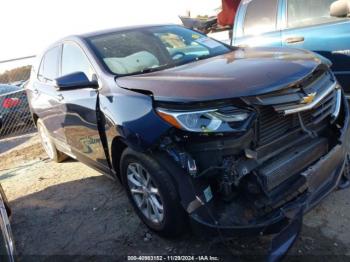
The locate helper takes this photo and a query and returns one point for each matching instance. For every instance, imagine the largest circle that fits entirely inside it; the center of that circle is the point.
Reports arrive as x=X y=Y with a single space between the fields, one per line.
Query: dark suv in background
x=240 y=141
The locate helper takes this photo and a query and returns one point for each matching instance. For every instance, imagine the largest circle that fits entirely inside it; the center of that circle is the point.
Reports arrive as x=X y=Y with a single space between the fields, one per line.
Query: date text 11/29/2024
x=173 y=258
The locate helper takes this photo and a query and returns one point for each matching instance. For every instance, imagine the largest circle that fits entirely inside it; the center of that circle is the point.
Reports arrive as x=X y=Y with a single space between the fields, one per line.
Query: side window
x=311 y=12
x=74 y=60
x=49 y=65
x=261 y=17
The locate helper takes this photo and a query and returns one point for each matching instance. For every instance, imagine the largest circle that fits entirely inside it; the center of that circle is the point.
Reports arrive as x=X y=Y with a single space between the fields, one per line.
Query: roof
x=102 y=32
x=119 y=29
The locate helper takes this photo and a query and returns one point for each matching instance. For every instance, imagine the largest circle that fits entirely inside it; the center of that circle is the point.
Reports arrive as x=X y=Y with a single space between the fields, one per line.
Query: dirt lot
x=69 y=209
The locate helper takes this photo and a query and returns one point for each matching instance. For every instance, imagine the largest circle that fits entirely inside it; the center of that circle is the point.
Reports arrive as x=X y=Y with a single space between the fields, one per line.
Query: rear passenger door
x=80 y=122
x=308 y=25
x=257 y=24
x=45 y=96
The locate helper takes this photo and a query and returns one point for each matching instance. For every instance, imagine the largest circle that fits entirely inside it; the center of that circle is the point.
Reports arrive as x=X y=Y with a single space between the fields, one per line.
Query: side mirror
x=340 y=8
x=73 y=81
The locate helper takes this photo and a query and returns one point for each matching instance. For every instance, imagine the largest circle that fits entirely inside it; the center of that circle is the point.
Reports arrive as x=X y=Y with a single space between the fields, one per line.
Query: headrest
x=132 y=63
x=340 y=8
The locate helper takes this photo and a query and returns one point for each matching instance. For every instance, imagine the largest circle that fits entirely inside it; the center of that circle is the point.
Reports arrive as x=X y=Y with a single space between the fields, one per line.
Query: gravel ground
x=70 y=211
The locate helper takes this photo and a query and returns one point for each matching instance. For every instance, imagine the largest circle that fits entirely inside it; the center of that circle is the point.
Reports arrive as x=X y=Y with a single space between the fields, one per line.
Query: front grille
x=273 y=125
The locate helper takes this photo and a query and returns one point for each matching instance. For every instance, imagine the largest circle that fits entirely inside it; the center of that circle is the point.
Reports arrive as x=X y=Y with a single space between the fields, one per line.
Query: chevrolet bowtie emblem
x=309 y=98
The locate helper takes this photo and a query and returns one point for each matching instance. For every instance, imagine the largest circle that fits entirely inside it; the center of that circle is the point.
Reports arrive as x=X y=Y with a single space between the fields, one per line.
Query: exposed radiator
x=272 y=124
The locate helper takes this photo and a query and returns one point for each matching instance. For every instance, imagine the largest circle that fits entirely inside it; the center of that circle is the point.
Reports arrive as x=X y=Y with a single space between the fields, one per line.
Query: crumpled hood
x=244 y=72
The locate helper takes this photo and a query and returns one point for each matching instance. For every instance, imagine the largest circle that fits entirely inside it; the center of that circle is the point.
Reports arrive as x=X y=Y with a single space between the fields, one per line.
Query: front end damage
x=259 y=176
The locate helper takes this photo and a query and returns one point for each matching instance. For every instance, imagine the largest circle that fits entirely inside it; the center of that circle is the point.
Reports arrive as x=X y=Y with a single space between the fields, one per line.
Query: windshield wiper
x=203 y=57
x=174 y=64
x=153 y=69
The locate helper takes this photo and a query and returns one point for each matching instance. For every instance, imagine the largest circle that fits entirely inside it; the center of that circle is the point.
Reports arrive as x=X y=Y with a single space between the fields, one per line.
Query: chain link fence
x=15 y=117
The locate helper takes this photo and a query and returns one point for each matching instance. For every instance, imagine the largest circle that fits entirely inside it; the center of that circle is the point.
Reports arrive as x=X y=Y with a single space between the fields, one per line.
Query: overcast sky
x=28 y=26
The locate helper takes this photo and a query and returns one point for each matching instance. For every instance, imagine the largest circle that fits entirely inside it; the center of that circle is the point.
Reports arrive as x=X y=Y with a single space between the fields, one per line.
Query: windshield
x=145 y=50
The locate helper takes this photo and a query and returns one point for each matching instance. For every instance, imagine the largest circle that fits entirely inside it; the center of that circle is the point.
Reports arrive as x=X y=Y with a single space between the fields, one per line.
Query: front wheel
x=152 y=193
x=48 y=144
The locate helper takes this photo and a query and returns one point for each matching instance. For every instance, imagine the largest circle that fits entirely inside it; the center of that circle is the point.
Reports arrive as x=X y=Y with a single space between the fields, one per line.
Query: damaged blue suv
x=234 y=141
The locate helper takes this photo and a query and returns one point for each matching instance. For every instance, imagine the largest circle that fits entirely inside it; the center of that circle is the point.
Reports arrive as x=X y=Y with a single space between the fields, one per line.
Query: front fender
x=130 y=116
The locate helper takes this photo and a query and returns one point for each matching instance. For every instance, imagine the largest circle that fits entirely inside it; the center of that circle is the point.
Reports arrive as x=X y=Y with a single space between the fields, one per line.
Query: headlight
x=211 y=120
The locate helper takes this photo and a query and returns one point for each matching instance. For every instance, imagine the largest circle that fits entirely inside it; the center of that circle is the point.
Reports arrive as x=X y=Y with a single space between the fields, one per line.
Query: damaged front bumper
x=268 y=170
x=319 y=179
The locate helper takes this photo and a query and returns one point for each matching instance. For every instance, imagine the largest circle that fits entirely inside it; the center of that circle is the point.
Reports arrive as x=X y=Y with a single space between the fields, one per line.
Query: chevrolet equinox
x=231 y=141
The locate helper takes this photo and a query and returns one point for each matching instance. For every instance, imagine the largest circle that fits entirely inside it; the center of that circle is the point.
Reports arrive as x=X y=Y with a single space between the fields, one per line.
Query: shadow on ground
x=10 y=143
x=70 y=211
x=92 y=219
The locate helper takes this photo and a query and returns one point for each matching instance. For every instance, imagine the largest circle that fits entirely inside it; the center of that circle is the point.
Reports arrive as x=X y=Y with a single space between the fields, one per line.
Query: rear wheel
x=152 y=194
x=48 y=144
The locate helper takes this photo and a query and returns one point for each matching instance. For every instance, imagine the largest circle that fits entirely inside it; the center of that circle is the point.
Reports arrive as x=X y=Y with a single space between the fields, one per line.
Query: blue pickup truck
x=307 y=24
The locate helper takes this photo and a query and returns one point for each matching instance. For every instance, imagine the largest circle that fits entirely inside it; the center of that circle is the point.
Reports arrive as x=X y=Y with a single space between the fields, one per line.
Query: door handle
x=294 y=39
x=36 y=91
x=60 y=97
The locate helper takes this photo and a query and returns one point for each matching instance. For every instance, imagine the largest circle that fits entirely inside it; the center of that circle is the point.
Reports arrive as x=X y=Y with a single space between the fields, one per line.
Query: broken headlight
x=211 y=120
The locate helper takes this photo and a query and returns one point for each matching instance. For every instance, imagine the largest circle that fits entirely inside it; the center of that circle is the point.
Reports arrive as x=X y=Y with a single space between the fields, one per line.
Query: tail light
x=11 y=102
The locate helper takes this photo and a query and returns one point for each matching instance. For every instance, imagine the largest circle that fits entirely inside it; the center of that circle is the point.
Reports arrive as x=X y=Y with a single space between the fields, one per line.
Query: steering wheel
x=178 y=55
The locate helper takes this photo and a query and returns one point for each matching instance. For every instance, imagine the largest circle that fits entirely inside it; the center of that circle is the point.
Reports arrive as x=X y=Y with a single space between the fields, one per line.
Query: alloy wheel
x=145 y=193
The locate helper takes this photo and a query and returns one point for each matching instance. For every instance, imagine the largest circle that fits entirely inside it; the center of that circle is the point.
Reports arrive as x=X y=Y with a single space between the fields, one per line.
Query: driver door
x=80 y=123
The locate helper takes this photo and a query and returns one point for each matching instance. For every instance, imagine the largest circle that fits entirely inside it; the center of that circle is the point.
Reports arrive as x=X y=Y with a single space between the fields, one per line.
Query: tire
x=48 y=144
x=7 y=250
x=173 y=220
x=5 y=200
